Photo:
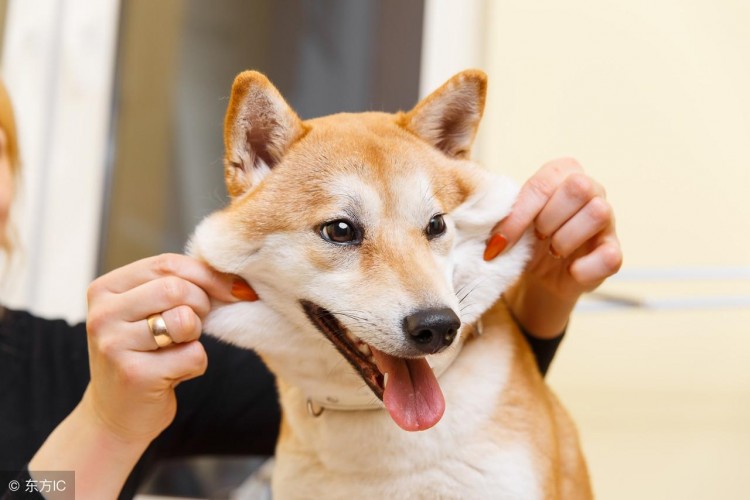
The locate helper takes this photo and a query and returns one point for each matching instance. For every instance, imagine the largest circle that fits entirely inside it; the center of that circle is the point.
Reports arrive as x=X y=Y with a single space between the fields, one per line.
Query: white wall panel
x=58 y=63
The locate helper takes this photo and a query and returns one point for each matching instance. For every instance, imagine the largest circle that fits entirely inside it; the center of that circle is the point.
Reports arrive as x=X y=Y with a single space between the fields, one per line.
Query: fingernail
x=241 y=290
x=495 y=246
x=554 y=253
x=539 y=235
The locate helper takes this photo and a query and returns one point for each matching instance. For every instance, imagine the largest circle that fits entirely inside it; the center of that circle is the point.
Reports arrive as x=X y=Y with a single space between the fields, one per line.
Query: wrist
x=101 y=459
x=105 y=429
x=538 y=310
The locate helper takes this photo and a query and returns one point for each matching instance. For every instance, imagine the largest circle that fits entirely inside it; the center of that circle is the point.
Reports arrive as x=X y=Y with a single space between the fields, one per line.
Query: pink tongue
x=412 y=393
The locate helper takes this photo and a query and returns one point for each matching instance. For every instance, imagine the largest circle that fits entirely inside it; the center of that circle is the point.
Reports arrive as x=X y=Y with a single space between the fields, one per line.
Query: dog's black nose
x=432 y=330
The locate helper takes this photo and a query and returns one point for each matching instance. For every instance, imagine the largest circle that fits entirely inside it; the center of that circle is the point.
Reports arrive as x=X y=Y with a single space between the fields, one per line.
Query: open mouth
x=356 y=352
x=408 y=387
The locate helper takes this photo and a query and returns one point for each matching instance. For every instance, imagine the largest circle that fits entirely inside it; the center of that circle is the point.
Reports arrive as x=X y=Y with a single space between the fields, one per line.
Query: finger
x=216 y=284
x=183 y=325
x=182 y=362
x=601 y=263
x=534 y=195
x=157 y=296
x=573 y=194
x=168 y=366
x=593 y=218
x=115 y=338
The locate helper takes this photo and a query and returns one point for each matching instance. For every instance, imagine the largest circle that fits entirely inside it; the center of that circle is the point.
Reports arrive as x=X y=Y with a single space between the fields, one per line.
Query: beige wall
x=653 y=98
x=148 y=58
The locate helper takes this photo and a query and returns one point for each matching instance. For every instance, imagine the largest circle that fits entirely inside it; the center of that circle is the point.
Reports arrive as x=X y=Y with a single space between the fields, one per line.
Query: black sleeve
x=43 y=372
x=544 y=349
x=232 y=409
x=14 y=488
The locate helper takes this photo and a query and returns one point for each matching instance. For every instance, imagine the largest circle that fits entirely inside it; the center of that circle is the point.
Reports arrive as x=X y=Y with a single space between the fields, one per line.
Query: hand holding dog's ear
x=577 y=246
x=132 y=379
x=130 y=398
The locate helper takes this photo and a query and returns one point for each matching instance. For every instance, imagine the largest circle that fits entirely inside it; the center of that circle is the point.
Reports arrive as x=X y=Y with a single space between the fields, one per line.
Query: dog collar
x=365 y=400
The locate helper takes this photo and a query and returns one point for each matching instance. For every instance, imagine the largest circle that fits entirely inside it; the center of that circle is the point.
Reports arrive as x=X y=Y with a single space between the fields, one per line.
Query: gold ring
x=159 y=330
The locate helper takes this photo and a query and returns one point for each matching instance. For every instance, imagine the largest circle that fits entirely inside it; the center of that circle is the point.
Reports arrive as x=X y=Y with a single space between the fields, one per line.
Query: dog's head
x=363 y=235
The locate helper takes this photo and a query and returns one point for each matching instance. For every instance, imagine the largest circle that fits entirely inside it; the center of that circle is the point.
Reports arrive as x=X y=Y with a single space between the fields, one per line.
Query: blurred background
x=120 y=108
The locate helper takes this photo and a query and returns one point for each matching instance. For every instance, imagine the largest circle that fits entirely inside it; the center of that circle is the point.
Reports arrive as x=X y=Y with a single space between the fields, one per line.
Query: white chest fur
x=364 y=454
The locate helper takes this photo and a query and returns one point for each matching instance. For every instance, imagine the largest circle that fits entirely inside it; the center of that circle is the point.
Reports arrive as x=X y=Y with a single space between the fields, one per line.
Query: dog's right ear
x=258 y=130
x=449 y=117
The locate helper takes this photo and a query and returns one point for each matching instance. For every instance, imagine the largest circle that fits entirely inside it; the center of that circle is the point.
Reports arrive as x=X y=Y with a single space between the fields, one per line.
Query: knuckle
x=108 y=347
x=94 y=322
x=94 y=290
x=541 y=186
x=197 y=358
x=173 y=288
x=187 y=322
x=166 y=263
x=203 y=306
x=580 y=185
x=97 y=320
x=612 y=259
x=600 y=211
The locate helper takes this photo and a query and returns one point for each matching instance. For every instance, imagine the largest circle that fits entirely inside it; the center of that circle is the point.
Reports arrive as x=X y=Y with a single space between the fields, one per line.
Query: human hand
x=131 y=392
x=576 y=247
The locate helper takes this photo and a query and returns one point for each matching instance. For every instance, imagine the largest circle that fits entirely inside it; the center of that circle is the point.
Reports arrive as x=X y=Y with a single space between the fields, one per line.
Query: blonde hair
x=8 y=125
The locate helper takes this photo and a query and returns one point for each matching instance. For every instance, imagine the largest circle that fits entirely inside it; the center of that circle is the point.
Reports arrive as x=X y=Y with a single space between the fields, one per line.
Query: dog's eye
x=436 y=226
x=339 y=231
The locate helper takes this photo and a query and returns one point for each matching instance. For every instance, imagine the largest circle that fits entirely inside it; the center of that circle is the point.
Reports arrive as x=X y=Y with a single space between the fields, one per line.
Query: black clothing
x=19 y=491
x=231 y=410
x=544 y=349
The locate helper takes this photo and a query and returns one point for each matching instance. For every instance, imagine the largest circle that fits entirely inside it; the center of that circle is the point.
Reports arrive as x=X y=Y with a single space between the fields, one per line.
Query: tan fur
x=366 y=137
x=286 y=177
x=530 y=409
x=458 y=142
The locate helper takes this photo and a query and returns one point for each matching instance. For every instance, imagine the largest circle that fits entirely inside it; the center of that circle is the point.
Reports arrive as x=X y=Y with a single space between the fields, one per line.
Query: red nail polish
x=495 y=246
x=241 y=290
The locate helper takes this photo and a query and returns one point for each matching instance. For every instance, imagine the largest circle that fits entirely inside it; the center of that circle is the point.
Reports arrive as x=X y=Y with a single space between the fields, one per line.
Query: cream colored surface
x=662 y=401
x=652 y=97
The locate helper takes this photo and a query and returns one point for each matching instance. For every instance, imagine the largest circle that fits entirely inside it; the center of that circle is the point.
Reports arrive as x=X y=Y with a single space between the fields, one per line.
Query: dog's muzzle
x=346 y=344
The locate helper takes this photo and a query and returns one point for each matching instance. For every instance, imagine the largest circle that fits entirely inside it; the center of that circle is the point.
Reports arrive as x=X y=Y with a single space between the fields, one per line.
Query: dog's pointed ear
x=258 y=130
x=449 y=117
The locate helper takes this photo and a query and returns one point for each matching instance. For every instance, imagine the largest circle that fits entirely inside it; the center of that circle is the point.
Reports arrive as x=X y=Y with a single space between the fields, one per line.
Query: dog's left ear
x=259 y=128
x=449 y=117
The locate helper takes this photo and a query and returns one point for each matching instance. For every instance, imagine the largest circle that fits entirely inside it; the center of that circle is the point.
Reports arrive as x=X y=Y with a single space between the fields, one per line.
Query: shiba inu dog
x=363 y=235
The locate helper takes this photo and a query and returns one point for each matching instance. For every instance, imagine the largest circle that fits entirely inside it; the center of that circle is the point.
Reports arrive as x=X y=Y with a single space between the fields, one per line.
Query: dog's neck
x=318 y=402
